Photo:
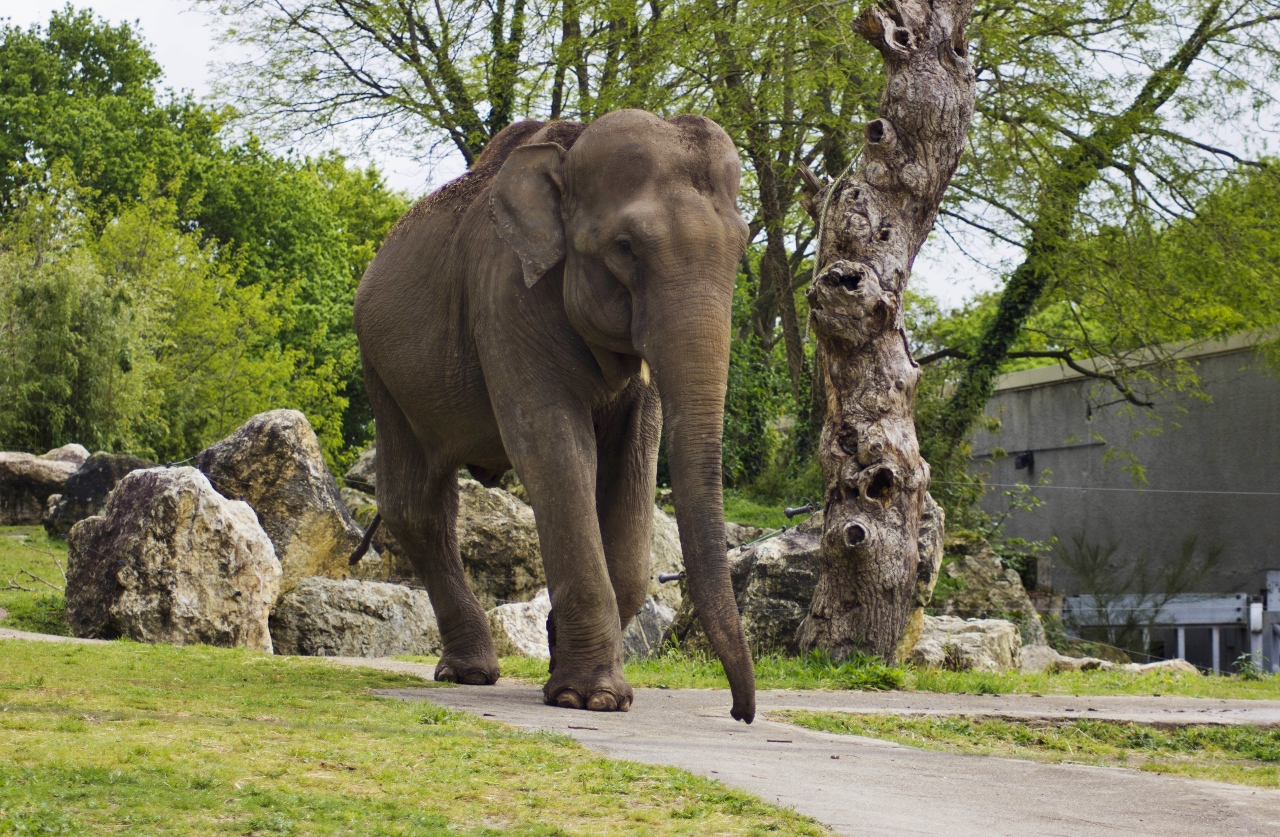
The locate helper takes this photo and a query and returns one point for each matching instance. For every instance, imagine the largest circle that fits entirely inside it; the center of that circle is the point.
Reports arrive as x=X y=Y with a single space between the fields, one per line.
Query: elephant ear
x=526 y=207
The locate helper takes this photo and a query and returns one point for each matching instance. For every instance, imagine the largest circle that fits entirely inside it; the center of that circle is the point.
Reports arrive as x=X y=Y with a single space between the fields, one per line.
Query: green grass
x=741 y=510
x=1241 y=754
x=156 y=740
x=675 y=670
x=40 y=608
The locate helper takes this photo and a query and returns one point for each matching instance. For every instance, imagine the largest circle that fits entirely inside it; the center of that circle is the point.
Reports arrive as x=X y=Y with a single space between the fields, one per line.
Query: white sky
x=184 y=43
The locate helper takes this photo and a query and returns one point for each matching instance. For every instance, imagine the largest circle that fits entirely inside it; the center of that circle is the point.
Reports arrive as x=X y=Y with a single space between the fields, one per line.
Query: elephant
x=553 y=310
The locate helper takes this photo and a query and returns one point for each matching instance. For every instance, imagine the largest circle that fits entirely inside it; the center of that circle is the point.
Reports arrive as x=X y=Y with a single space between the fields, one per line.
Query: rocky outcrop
x=773 y=581
x=498 y=541
x=273 y=463
x=954 y=644
x=520 y=628
x=1042 y=658
x=27 y=481
x=643 y=636
x=737 y=534
x=86 y=491
x=325 y=617
x=171 y=560
x=362 y=476
x=665 y=557
x=988 y=589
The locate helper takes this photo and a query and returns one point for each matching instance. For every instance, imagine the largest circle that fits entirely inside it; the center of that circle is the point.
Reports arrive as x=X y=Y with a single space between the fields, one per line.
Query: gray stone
x=325 y=617
x=665 y=557
x=362 y=475
x=1166 y=666
x=72 y=453
x=954 y=644
x=643 y=636
x=773 y=582
x=273 y=463
x=86 y=491
x=521 y=627
x=498 y=541
x=171 y=560
x=988 y=589
x=737 y=534
x=27 y=481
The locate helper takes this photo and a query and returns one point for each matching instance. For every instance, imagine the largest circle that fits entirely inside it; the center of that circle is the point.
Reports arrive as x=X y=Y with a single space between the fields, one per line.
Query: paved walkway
x=865 y=786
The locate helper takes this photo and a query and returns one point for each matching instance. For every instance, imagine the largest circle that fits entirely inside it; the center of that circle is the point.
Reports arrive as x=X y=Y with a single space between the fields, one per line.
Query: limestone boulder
x=72 y=453
x=988 y=589
x=326 y=617
x=1043 y=658
x=955 y=644
x=27 y=481
x=171 y=560
x=273 y=463
x=86 y=491
x=737 y=534
x=361 y=475
x=643 y=637
x=665 y=557
x=1161 y=666
x=520 y=628
x=498 y=541
x=773 y=582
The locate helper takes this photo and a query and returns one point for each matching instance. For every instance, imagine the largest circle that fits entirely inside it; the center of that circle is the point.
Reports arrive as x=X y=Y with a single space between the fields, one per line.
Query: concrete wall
x=1231 y=444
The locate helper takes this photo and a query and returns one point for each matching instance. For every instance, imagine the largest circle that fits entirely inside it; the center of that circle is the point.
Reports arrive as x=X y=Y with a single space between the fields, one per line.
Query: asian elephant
x=527 y=315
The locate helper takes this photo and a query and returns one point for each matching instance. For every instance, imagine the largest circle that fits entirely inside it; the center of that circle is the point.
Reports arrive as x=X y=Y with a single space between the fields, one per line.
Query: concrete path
x=865 y=786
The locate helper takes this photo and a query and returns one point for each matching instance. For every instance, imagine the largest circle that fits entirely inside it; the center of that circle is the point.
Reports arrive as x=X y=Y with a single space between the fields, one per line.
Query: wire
x=1130 y=490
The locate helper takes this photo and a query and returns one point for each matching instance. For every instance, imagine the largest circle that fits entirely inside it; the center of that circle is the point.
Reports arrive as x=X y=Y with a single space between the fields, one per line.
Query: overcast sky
x=184 y=42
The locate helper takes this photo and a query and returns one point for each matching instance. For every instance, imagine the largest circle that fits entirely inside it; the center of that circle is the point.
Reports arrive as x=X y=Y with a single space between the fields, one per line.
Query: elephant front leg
x=556 y=460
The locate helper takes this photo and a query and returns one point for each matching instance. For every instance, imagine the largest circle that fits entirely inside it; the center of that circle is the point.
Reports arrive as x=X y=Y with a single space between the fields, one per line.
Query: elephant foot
x=470 y=671
x=600 y=690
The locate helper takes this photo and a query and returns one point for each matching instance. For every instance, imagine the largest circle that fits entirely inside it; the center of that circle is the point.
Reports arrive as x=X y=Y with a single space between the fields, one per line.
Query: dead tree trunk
x=872 y=222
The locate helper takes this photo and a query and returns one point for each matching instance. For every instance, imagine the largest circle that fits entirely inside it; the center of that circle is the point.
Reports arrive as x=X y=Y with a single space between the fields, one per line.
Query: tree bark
x=873 y=222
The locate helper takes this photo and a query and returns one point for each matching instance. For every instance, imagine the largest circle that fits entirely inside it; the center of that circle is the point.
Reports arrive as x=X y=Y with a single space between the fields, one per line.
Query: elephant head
x=642 y=212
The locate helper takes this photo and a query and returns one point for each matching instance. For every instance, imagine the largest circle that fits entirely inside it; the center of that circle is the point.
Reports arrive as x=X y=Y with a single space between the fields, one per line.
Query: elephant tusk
x=644 y=372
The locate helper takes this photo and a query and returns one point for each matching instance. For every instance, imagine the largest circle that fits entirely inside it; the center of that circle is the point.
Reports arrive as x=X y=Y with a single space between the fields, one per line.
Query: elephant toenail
x=569 y=699
x=602 y=702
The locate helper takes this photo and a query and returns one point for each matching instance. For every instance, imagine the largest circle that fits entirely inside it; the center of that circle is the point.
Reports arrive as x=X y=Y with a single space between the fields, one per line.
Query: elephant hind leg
x=418 y=500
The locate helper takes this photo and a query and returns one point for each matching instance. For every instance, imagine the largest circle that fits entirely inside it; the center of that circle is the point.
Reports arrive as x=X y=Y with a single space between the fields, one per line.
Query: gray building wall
x=1229 y=444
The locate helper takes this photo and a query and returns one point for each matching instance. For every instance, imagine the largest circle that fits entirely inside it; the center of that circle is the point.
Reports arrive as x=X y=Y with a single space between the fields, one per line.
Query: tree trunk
x=872 y=224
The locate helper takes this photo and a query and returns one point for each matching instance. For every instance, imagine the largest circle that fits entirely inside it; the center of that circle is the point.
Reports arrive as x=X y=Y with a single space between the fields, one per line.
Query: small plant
x=436 y=716
x=1248 y=669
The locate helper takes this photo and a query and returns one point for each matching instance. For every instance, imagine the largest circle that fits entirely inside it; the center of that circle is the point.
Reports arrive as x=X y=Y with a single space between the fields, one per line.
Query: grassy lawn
x=741 y=510
x=1244 y=755
x=136 y=739
x=40 y=607
x=680 y=671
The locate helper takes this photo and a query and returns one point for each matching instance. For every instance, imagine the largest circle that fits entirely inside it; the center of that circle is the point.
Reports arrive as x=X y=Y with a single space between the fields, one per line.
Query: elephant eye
x=625 y=246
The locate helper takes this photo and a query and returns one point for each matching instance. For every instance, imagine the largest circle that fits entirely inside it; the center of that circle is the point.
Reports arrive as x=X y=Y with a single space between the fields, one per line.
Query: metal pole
x=1182 y=643
x=1217 y=650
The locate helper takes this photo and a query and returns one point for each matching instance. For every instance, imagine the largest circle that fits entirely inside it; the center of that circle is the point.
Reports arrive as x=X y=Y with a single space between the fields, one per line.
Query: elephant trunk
x=691 y=370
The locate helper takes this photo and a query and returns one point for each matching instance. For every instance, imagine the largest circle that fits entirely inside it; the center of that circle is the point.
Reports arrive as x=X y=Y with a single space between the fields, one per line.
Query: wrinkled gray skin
x=504 y=323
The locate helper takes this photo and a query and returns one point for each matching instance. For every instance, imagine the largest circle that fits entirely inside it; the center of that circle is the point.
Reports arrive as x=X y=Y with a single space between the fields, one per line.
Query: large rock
x=665 y=557
x=954 y=644
x=737 y=534
x=773 y=581
x=273 y=463
x=27 y=481
x=498 y=541
x=644 y=635
x=362 y=476
x=988 y=589
x=85 y=493
x=325 y=617
x=172 y=560
x=72 y=453
x=520 y=628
